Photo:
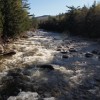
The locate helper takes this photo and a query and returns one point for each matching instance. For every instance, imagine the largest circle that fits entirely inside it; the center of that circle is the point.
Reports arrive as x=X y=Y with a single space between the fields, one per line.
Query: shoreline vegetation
x=83 y=21
x=15 y=19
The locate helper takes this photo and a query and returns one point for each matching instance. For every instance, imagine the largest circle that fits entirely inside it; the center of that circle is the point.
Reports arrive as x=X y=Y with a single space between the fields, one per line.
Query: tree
x=14 y=15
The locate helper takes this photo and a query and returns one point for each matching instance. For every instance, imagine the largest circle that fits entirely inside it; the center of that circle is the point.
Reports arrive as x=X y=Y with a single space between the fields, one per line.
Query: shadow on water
x=31 y=79
x=63 y=86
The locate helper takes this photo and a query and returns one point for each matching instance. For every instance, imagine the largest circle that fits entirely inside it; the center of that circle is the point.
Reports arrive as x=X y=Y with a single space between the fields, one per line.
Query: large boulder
x=59 y=49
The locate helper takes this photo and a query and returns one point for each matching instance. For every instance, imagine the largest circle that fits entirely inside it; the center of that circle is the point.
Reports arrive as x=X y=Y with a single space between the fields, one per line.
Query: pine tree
x=14 y=14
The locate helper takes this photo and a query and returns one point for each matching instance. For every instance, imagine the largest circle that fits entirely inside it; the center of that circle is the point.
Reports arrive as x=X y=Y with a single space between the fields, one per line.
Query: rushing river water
x=75 y=62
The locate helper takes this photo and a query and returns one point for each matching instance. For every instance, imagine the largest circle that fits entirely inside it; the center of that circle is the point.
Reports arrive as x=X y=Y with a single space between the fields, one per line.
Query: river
x=73 y=72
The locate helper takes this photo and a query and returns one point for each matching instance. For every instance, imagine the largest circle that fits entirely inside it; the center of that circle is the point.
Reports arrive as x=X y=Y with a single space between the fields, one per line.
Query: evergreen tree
x=14 y=15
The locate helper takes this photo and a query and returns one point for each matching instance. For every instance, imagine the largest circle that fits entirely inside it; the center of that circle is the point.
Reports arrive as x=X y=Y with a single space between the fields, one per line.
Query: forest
x=83 y=21
x=15 y=18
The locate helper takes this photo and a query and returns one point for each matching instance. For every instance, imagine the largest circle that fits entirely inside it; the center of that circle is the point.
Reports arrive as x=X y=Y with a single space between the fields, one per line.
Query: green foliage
x=11 y=13
x=14 y=18
x=78 y=21
x=53 y=23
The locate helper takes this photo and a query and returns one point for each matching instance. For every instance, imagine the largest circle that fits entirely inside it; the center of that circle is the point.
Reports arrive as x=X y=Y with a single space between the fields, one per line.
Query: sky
x=54 y=7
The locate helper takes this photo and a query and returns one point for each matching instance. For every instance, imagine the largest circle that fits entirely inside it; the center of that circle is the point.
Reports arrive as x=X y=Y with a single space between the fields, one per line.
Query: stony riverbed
x=51 y=66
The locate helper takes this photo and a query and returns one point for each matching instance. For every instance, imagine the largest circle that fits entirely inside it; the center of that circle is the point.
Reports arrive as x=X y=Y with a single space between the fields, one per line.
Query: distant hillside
x=44 y=17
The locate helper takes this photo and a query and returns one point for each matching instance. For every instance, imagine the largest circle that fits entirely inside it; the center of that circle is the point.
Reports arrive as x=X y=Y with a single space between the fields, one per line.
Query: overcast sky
x=54 y=7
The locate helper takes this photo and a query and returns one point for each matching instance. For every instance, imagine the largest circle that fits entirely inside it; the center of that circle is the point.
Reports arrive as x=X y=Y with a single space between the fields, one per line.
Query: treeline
x=14 y=18
x=78 y=21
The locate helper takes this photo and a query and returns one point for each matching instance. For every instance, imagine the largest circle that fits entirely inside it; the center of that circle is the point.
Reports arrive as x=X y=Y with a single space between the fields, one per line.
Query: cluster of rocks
x=65 y=52
x=61 y=48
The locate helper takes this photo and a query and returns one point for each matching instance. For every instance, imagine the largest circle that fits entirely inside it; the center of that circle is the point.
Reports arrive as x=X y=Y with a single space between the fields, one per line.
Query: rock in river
x=65 y=56
x=88 y=55
x=72 y=50
x=64 y=52
x=97 y=52
x=49 y=67
x=10 y=53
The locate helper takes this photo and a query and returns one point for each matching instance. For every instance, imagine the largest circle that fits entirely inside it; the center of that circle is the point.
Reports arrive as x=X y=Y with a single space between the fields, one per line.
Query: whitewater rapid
x=74 y=74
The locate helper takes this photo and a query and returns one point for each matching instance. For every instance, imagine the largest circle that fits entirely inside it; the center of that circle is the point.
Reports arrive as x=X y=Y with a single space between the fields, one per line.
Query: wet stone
x=10 y=53
x=58 y=49
x=64 y=52
x=65 y=56
x=72 y=50
x=49 y=67
x=88 y=55
x=97 y=52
